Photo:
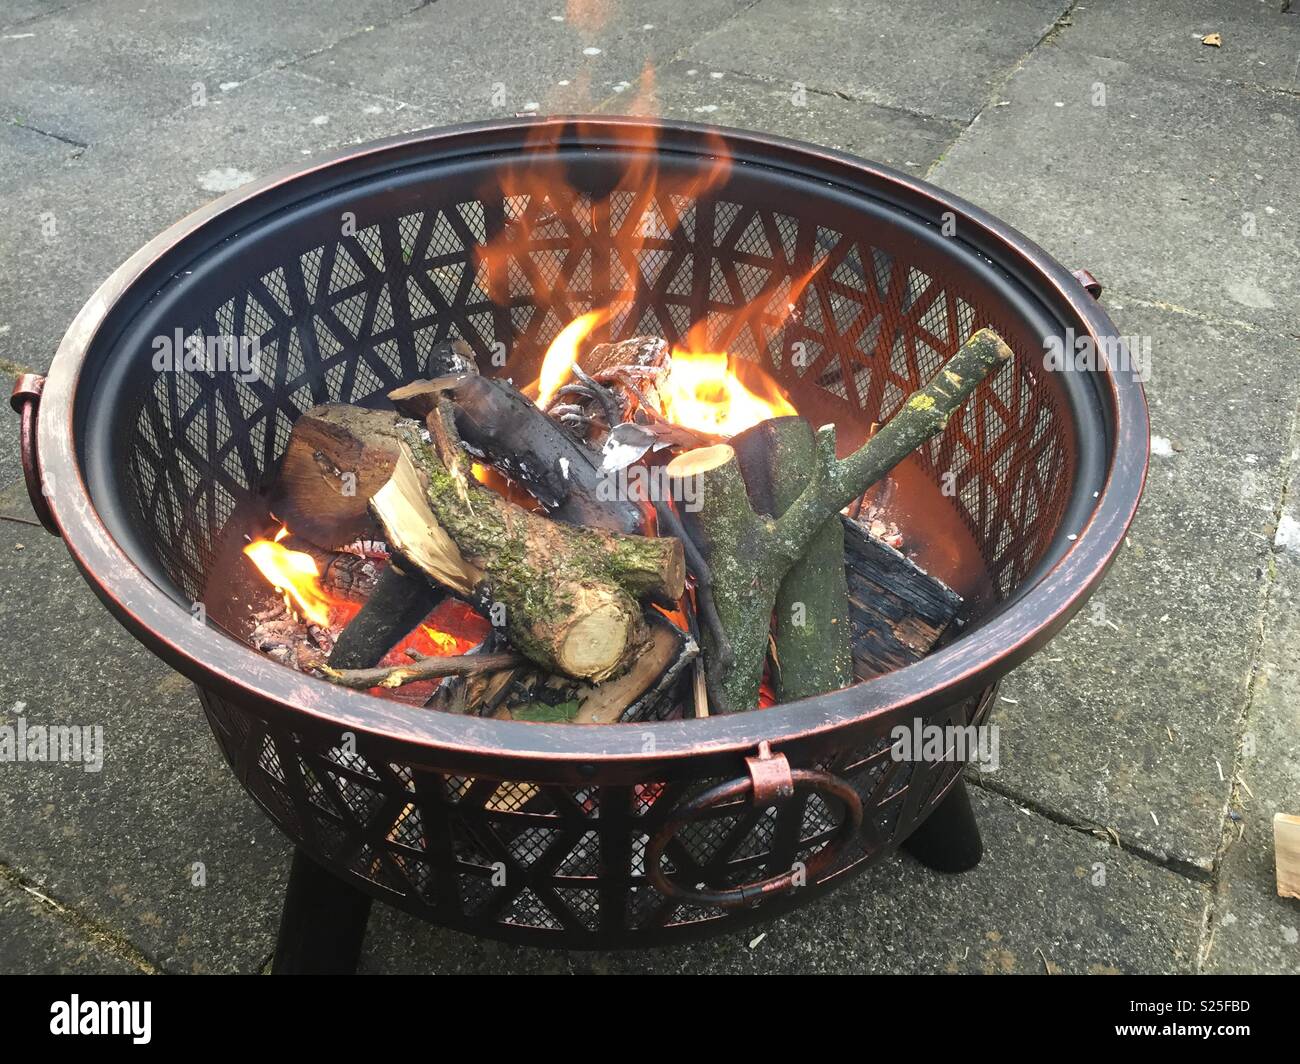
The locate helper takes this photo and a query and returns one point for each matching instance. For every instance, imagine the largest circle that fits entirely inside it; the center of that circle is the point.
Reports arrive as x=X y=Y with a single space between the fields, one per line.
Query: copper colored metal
x=770 y=782
x=1090 y=283
x=26 y=401
x=149 y=471
x=769 y=776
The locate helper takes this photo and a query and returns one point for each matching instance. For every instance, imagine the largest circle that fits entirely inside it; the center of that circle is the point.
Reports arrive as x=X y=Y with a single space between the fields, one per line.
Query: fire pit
x=350 y=273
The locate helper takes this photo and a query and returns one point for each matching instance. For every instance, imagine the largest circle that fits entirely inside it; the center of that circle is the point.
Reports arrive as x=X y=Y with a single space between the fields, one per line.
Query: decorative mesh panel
x=349 y=320
x=566 y=863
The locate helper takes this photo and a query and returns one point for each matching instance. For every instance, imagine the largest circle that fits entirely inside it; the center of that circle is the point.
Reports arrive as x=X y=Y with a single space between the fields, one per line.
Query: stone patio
x=1143 y=754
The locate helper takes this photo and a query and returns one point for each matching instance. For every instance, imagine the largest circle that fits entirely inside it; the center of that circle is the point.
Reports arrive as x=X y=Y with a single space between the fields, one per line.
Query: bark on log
x=750 y=555
x=897 y=611
x=812 y=632
x=498 y=424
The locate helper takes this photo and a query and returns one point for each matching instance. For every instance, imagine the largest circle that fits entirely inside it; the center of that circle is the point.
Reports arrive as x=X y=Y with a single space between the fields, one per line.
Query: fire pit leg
x=948 y=840
x=323 y=922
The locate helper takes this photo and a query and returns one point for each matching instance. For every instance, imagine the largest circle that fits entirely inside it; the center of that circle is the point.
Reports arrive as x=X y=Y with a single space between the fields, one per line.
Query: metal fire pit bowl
x=583 y=836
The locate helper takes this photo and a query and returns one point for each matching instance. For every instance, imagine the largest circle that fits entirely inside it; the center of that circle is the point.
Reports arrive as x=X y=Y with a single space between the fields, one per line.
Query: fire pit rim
x=972 y=662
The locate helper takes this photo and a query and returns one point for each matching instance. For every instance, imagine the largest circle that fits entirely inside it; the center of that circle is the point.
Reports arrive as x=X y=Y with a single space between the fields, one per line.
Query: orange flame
x=557 y=364
x=542 y=202
x=294 y=574
x=704 y=391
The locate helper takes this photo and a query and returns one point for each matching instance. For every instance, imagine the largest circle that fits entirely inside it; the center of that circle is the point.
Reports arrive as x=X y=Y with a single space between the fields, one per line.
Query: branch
x=430 y=668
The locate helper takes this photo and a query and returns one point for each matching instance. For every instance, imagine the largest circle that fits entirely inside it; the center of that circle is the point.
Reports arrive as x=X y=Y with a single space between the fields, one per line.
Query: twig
x=609 y=403
x=430 y=668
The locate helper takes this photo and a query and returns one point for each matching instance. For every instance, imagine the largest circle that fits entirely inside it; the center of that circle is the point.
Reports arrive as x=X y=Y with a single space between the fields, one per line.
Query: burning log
x=568 y=594
x=498 y=424
x=897 y=611
x=650 y=688
x=750 y=555
x=450 y=358
x=398 y=603
x=812 y=629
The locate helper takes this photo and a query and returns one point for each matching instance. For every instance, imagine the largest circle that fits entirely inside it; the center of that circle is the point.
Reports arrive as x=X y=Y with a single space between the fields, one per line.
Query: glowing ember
x=296 y=575
x=292 y=573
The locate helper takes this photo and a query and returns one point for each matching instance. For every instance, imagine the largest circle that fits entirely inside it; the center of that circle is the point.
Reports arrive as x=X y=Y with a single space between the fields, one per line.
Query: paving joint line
x=1111 y=836
x=111 y=942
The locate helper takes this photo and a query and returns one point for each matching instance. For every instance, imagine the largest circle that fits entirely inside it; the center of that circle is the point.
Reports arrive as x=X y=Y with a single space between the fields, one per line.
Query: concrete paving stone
x=91 y=73
x=1043 y=895
x=28 y=155
x=1168 y=191
x=71 y=228
x=36 y=939
x=1253 y=929
x=897 y=138
x=1125 y=718
x=120 y=845
x=18 y=12
x=931 y=57
x=1261 y=44
x=476 y=59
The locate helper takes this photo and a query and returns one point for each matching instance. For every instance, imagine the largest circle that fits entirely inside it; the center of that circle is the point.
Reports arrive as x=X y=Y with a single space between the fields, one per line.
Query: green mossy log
x=812 y=630
x=750 y=554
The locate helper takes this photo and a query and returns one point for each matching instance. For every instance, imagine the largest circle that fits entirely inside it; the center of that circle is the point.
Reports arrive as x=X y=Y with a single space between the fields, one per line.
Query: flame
x=294 y=574
x=543 y=206
x=557 y=364
x=704 y=392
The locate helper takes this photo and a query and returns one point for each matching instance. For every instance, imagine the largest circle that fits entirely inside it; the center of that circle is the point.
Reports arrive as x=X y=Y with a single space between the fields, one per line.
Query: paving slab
x=475 y=59
x=18 y=12
x=1124 y=720
x=73 y=226
x=91 y=73
x=931 y=57
x=28 y=155
x=900 y=139
x=1253 y=929
x=120 y=846
x=1260 y=44
x=39 y=939
x=1043 y=895
x=1167 y=191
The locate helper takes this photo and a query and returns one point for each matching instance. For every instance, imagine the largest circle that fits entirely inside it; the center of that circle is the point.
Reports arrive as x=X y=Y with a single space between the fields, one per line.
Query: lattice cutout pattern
x=560 y=862
x=350 y=320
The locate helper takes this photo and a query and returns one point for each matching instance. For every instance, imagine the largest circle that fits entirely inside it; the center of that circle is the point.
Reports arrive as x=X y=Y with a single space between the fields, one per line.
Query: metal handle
x=771 y=781
x=1089 y=282
x=26 y=400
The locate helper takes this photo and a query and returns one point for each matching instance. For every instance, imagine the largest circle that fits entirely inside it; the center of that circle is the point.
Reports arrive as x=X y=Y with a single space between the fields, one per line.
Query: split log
x=897 y=611
x=749 y=555
x=333 y=465
x=498 y=424
x=812 y=633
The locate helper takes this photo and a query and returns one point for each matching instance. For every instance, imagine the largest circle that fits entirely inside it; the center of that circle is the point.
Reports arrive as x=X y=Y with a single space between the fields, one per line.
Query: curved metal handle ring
x=738 y=897
x=26 y=400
